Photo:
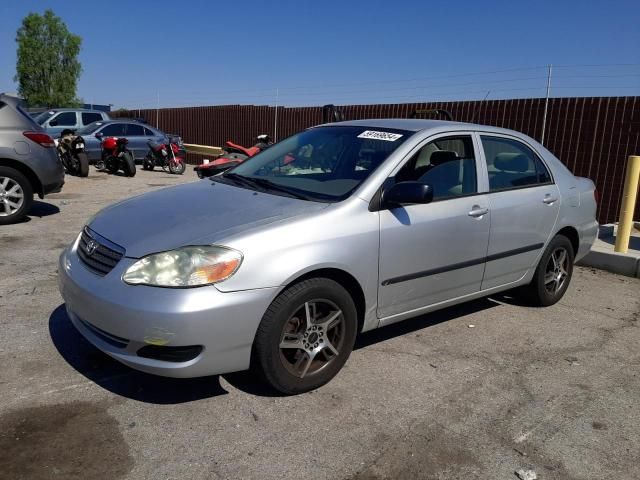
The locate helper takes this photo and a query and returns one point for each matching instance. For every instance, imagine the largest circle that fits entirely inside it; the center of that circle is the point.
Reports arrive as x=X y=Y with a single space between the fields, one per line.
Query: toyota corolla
x=280 y=263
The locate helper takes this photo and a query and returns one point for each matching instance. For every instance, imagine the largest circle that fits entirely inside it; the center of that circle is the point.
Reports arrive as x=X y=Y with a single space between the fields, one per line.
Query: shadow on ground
x=122 y=380
x=43 y=209
x=634 y=241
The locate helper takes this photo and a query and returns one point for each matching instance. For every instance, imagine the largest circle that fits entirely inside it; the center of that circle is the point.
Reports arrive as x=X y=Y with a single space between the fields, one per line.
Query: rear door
x=435 y=252
x=524 y=203
x=89 y=117
x=137 y=140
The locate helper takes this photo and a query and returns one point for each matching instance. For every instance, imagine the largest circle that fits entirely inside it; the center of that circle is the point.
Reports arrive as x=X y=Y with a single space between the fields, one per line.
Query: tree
x=47 y=69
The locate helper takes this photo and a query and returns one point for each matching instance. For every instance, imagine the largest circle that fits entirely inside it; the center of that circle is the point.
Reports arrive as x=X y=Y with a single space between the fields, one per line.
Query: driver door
x=430 y=253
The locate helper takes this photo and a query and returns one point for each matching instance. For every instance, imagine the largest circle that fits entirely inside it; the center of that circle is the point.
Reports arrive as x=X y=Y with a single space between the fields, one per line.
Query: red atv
x=233 y=155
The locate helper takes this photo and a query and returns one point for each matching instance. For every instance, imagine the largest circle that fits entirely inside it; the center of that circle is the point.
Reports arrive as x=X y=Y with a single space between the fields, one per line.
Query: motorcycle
x=165 y=156
x=71 y=151
x=233 y=155
x=116 y=156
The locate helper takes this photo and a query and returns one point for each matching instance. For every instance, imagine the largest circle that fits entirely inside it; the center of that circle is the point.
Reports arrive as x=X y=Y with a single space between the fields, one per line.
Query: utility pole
x=158 y=110
x=275 y=128
x=546 y=105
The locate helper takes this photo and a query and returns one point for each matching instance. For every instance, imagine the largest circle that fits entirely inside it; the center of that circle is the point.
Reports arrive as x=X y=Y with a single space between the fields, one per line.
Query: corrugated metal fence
x=592 y=135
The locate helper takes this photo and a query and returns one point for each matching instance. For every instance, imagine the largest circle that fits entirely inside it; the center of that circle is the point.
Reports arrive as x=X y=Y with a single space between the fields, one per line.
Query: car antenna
x=473 y=117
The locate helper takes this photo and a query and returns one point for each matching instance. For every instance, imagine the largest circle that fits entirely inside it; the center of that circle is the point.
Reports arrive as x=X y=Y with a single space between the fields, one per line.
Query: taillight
x=40 y=138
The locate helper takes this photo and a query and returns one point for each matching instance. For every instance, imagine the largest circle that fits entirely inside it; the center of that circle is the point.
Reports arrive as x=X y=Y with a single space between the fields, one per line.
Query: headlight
x=185 y=267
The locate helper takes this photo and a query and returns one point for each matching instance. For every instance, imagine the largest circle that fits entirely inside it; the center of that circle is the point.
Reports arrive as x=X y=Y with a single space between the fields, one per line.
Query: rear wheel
x=553 y=274
x=16 y=195
x=129 y=164
x=83 y=164
x=306 y=336
x=147 y=163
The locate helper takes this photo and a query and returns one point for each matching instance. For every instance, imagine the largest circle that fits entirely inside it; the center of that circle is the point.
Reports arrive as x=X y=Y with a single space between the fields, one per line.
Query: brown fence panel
x=593 y=136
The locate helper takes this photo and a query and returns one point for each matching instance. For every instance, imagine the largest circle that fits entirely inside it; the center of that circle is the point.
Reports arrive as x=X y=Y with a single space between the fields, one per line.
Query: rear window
x=90 y=117
x=25 y=115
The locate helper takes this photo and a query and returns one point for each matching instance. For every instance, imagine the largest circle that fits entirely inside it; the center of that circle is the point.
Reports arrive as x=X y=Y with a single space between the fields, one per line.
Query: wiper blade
x=263 y=182
x=250 y=182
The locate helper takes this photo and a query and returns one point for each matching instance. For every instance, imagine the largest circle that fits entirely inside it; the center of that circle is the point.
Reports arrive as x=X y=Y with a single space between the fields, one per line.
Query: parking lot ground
x=555 y=390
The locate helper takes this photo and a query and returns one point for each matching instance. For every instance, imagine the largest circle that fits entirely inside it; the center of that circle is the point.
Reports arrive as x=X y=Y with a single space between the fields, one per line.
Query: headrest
x=511 y=162
x=442 y=156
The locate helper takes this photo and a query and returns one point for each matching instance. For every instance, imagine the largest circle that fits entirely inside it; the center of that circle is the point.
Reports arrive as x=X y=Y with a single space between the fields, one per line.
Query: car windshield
x=42 y=117
x=92 y=127
x=322 y=164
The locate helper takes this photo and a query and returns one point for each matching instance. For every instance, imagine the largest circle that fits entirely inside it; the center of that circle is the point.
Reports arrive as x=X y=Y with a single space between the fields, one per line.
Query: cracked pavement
x=554 y=390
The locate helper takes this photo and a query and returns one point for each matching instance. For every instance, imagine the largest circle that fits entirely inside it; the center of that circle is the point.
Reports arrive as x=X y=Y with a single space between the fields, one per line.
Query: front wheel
x=305 y=336
x=553 y=274
x=177 y=168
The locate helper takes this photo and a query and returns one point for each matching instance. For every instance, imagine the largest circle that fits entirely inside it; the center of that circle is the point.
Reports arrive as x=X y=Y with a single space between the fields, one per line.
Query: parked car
x=137 y=133
x=59 y=119
x=279 y=263
x=29 y=163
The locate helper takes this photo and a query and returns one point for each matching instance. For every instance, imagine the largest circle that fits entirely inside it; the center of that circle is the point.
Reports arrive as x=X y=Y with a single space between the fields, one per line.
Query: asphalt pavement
x=474 y=391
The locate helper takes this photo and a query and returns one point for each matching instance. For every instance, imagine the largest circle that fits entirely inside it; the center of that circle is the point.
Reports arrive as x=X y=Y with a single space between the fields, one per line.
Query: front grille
x=98 y=254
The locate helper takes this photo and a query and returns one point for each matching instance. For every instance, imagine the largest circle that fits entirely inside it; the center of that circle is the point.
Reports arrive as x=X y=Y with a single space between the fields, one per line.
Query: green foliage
x=47 y=69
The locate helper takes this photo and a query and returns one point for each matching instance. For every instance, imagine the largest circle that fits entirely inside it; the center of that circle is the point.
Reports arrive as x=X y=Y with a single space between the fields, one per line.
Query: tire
x=16 y=196
x=315 y=352
x=83 y=164
x=177 y=168
x=112 y=166
x=147 y=163
x=128 y=164
x=552 y=275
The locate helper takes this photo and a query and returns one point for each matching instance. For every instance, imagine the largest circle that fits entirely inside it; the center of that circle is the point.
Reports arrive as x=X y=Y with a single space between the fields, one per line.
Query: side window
x=447 y=164
x=64 y=119
x=148 y=132
x=90 y=117
x=512 y=164
x=134 y=130
x=113 y=130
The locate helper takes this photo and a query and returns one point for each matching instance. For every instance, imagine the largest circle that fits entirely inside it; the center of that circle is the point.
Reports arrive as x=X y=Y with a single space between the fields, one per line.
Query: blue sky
x=208 y=52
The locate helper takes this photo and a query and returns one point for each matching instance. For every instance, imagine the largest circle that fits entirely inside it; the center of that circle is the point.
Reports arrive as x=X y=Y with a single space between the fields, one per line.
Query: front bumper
x=120 y=319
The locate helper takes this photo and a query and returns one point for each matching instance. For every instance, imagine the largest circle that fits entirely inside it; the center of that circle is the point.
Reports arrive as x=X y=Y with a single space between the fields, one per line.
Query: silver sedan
x=280 y=263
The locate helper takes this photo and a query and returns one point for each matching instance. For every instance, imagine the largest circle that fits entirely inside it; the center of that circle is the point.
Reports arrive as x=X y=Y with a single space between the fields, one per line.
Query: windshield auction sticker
x=386 y=136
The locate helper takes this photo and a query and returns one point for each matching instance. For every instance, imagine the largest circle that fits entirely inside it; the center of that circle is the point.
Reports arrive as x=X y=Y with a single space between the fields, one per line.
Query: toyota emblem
x=91 y=247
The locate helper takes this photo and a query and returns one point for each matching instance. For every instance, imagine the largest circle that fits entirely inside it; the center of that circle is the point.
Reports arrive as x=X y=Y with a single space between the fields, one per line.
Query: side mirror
x=404 y=193
x=99 y=135
x=53 y=123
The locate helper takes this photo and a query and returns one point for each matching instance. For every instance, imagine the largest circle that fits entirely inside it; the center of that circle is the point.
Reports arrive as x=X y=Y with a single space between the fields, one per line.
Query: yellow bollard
x=629 y=194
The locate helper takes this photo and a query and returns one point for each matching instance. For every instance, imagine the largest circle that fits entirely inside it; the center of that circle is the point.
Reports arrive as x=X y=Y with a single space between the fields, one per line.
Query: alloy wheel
x=11 y=196
x=557 y=271
x=312 y=338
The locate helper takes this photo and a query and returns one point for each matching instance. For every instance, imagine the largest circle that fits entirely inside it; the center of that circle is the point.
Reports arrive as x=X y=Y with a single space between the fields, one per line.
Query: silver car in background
x=278 y=264
x=29 y=164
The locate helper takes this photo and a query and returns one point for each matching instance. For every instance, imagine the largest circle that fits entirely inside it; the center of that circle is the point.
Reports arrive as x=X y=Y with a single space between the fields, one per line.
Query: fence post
x=629 y=195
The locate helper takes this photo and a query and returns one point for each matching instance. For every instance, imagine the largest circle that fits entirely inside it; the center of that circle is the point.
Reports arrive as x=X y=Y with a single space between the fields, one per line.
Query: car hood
x=199 y=213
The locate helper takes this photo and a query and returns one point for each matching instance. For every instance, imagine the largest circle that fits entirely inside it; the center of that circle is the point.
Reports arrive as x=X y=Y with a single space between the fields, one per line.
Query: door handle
x=549 y=199
x=477 y=211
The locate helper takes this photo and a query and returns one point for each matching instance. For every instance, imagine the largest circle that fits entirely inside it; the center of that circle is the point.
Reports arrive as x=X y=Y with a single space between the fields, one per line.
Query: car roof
x=419 y=125
x=56 y=110
x=124 y=120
